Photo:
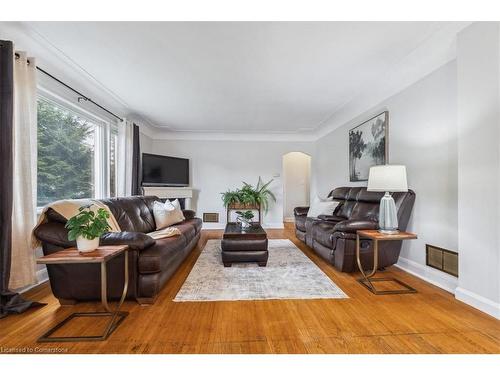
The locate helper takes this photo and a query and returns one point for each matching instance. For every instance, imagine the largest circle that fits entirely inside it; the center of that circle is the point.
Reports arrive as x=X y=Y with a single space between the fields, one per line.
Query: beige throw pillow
x=167 y=214
x=322 y=207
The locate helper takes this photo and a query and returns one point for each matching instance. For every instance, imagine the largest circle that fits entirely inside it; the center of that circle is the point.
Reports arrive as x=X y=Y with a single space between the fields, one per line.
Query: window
x=76 y=154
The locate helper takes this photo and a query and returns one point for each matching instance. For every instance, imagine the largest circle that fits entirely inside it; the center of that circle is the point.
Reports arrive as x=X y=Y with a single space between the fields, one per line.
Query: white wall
x=422 y=136
x=296 y=182
x=146 y=143
x=216 y=166
x=478 y=55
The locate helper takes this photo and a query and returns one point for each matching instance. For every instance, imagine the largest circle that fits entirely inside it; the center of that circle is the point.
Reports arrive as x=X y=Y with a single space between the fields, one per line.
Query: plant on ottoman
x=245 y=218
x=249 y=198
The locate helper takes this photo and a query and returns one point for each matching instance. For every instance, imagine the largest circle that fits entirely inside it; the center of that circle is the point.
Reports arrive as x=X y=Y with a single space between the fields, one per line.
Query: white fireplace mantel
x=171 y=192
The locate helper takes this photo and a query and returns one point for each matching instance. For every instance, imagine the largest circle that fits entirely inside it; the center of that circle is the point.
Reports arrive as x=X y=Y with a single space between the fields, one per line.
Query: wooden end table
x=368 y=280
x=101 y=255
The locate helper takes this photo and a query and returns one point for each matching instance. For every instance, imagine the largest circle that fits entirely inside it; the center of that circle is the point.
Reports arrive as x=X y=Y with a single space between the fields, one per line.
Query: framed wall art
x=368 y=146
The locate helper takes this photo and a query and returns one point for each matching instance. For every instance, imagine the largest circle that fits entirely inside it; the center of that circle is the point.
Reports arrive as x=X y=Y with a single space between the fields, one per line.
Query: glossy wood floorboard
x=431 y=321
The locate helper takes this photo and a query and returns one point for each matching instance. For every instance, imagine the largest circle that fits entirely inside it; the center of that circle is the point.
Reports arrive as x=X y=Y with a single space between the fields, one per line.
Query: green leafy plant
x=247 y=215
x=230 y=197
x=249 y=195
x=88 y=224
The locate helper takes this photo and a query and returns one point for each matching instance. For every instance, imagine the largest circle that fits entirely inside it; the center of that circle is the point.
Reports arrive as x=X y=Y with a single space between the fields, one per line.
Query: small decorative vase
x=85 y=245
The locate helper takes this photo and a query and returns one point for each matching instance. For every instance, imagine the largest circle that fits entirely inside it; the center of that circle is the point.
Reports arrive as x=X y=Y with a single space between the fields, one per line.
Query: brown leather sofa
x=151 y=262
x=333 y=237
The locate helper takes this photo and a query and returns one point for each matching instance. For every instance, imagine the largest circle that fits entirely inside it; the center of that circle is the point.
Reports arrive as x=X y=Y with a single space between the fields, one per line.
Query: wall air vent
x=210 y=217
x=442 y=259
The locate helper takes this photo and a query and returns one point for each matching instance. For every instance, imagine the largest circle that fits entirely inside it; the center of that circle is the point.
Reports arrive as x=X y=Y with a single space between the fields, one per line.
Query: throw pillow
x=322 y=207
x=167 y=214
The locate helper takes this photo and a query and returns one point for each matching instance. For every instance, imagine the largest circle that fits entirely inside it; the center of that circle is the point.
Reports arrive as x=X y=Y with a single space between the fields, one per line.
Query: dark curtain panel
x=136 y=162
x=10 y=302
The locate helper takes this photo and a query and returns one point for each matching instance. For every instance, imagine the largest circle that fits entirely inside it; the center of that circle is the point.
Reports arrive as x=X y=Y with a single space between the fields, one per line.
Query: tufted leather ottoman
x=249 y=245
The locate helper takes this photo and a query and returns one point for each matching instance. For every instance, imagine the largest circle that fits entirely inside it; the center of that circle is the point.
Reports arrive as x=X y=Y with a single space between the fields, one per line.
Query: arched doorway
x=296 y=182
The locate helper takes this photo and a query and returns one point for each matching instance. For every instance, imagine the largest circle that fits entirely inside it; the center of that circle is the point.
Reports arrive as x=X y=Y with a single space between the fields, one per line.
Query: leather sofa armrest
x=333 y=218
x=351 y=226
x=53 y=233
x=300 y=211
x=135 y=240
x=189 y=214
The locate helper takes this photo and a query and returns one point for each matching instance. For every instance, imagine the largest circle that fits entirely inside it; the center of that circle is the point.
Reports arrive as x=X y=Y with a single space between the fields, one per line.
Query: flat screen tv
x=159 y=170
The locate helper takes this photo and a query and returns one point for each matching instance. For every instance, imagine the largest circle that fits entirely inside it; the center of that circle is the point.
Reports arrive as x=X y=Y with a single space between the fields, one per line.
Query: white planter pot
x=86 y=246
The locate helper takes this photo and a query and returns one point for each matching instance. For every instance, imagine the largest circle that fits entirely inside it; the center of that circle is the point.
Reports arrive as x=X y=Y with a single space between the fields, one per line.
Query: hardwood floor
x=431 y=321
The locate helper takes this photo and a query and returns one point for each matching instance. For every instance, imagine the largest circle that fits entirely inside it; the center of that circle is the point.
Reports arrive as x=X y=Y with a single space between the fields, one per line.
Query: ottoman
x=244 y=245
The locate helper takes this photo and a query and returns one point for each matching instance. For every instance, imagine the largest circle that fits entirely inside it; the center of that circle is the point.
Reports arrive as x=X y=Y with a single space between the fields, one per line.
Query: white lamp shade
x=390 y=178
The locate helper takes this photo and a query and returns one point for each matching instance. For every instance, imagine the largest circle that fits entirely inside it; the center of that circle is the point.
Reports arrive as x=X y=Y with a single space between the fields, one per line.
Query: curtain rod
x=81 y=96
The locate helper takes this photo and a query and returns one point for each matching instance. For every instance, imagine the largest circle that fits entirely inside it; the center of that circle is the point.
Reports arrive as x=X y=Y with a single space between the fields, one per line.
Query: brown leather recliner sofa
x=151 y=262
x=333 y=237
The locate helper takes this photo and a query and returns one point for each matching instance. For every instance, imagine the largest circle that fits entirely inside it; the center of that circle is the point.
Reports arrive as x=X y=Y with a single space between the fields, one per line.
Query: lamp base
x=388 y=216
x=386 y=231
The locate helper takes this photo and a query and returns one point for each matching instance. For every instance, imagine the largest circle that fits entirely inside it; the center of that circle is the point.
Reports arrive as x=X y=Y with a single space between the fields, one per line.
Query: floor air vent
x=442 y=259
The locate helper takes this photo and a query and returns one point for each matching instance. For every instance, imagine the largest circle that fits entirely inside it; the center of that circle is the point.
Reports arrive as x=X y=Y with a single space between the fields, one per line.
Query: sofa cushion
x=196 y=223
x=132 y=213
x=158 y=257
x=187 y=230
x=365 y=211
x=322 y=233
x=333 y=218
x=340 y=193
x=353 y=193
x=345 y=209
x=370 y=196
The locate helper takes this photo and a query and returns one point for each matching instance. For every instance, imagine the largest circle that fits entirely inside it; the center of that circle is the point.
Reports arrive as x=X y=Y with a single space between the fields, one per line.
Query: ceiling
x=241 y=77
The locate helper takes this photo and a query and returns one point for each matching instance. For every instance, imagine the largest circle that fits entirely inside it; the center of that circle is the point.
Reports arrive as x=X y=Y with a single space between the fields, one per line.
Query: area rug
x=289 y=275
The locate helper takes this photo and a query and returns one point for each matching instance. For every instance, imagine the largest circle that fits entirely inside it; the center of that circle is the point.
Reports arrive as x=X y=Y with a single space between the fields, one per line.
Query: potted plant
x=245 y=218
x=249 y=196
x=86 y=227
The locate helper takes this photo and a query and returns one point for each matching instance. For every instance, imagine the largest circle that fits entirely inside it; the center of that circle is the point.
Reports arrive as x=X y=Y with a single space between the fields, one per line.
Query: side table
x=368 y=280
x=101 y=255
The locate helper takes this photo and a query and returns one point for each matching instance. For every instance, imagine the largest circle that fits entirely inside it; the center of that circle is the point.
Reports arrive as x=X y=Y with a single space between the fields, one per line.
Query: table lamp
x=388 y=179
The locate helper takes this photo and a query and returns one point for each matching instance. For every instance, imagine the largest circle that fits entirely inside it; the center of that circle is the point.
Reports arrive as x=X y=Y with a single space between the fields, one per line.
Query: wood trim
x=72 y=256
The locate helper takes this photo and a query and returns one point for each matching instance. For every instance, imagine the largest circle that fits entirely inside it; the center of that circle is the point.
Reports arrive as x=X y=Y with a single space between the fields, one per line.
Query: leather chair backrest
x=134 y=214
x=367 y=205
x=361 y=204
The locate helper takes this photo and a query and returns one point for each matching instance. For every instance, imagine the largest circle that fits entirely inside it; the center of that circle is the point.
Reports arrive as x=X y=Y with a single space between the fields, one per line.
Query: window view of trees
x=65 y=154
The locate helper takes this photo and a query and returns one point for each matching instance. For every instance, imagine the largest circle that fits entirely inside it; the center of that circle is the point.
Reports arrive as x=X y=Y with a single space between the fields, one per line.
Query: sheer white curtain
x=24 y=172
x=124 y=162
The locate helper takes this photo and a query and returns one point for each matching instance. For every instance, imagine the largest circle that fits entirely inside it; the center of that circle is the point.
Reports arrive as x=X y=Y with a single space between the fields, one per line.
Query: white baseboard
x=213 y=226
x=273 y=225
x=41 y=276
x=479 y=302
x=290 y=219
x=223 y=225
x=429 y=274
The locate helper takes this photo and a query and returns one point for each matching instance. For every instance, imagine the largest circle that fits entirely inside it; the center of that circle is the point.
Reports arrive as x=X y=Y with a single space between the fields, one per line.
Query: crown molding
x=226 y=136
x=434 y=52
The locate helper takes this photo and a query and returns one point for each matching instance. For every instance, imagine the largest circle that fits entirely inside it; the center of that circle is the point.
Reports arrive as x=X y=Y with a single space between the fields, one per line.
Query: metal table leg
x=368 y=280
x=117 y=316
